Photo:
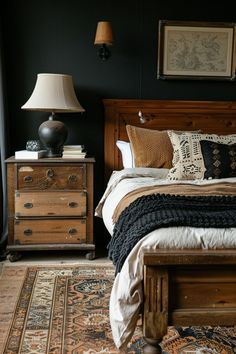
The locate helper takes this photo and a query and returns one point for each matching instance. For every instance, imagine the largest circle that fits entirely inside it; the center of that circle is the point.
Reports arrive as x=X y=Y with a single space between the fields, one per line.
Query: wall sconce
x=142 y=119
x=53 y=93
x=104 y=38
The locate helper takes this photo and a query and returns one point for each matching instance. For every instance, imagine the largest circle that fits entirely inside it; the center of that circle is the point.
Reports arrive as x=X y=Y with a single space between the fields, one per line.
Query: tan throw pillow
x=151 y=148
x=188 y=161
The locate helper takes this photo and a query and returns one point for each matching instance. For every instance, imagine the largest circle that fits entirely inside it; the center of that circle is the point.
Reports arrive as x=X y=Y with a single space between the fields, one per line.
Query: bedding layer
x=126 y=296
x=154 y=211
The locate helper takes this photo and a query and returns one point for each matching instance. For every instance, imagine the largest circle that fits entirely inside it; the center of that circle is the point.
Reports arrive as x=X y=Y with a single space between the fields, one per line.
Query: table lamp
x=53 y=93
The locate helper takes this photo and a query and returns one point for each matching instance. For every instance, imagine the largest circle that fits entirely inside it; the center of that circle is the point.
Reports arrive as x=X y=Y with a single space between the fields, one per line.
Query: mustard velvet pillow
x=151 y=148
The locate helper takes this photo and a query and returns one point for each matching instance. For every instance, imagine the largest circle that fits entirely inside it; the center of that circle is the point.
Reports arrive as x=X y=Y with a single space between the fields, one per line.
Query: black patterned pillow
x=188 y=161
x=219 y=159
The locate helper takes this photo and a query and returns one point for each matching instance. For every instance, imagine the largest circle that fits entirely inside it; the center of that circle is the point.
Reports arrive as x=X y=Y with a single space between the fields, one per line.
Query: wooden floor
x=58 y=257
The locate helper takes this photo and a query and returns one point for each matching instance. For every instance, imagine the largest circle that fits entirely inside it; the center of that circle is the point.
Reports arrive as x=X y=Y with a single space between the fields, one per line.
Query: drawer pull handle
x=72 y=178
x=28 y=179
x=28 y=232
x=50 y=173
x=28 y=205
x=72 y=231
x=73 y=204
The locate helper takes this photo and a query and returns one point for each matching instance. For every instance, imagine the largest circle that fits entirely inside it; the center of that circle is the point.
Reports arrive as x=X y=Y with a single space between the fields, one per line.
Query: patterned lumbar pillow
x=219 y=159
x=188 y=161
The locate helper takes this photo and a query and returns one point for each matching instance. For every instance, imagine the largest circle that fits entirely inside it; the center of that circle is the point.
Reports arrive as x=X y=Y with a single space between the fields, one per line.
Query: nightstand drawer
x=31 y=204
x=41 y=177
x=50 y=231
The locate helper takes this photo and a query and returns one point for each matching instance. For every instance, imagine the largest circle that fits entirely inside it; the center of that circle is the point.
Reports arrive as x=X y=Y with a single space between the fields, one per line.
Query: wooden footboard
x=187 y=287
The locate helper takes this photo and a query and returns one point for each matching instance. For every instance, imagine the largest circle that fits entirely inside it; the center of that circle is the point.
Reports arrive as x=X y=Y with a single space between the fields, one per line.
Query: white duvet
x=126 y=295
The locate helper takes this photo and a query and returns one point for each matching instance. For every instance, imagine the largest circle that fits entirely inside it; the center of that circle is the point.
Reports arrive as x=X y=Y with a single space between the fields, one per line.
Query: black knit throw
x=154 y=211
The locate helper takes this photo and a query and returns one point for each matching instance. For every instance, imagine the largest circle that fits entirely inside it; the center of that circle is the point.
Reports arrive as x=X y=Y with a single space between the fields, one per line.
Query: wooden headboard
x=209 y=116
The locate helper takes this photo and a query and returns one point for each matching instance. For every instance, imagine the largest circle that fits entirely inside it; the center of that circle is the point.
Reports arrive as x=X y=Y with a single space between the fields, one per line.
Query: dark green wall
x=57 y=36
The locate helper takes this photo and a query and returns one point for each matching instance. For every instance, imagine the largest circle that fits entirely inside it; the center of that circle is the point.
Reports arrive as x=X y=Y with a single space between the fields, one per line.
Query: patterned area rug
x=55 y=310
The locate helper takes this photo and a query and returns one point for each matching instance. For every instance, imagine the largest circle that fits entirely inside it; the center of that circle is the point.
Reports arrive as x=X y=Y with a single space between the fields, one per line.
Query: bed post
x=155 y=318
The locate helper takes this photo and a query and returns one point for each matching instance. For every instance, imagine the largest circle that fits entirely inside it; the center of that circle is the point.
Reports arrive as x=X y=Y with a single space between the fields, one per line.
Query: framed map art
x=196 y=50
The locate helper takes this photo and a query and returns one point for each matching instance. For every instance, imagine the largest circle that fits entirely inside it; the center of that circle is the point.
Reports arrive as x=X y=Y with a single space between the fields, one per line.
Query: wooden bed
x=184 y=287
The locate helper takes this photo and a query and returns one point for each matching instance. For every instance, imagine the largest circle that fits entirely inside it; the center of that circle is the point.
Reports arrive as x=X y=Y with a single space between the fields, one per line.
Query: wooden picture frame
x=196 y=50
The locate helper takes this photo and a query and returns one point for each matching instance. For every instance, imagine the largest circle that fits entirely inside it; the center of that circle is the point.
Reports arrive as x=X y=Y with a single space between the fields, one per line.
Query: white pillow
x=126 y=153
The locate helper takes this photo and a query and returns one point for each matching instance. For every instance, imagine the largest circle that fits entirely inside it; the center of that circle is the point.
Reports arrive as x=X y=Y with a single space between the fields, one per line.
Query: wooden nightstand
x=50 y=205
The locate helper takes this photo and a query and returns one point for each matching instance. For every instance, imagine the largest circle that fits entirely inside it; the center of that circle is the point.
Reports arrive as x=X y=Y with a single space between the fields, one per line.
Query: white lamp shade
x=53 y=93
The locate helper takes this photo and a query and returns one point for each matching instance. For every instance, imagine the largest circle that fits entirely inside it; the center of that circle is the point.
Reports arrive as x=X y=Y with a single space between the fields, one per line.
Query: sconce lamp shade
x=104 y=33
x=104 y=38
x=53 y=93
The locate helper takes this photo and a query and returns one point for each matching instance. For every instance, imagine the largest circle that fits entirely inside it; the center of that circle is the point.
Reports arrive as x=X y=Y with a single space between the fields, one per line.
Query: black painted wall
x=57 y=36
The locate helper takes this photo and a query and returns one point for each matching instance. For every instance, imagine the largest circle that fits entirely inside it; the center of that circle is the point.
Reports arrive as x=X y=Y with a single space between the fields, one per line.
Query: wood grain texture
x=31 y=204
x=50 y=231
x=50 y=204
x=51 y=176
x=202 y=289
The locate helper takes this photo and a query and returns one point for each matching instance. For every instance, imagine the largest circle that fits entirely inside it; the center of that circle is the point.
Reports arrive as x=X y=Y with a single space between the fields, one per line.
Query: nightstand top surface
x=55 y=160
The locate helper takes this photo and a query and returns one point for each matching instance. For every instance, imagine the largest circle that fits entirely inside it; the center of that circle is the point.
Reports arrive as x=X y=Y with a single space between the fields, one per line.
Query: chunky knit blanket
x=150 y=212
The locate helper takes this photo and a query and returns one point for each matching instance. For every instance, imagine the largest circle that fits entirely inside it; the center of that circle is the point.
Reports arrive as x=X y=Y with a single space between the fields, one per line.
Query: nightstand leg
x=90 y=255
x=14 y=256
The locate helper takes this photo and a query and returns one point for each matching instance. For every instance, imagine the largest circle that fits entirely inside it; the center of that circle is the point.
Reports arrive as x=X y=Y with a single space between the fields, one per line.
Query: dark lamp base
x=53 y=134
x=54 y=152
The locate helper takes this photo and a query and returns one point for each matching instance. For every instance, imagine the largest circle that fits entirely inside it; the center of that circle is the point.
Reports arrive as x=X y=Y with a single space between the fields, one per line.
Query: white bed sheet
x=126 y=296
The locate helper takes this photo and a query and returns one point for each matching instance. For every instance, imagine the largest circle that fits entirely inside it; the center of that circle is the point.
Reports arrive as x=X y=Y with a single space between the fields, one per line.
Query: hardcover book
x=73 y=148
x=74 y=155
x=25 y=154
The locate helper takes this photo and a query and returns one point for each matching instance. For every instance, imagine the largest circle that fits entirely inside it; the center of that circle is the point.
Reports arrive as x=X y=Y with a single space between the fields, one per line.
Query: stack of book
x=73 y=151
